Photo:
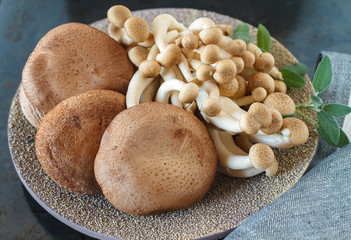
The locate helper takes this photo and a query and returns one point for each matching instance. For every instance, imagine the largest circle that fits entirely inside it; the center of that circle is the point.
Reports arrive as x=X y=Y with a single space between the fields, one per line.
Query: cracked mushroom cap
x=298 y=132
x=262 y=157
x=71 y=59
x=68 y=138
x=282 y=102
x=155 y=158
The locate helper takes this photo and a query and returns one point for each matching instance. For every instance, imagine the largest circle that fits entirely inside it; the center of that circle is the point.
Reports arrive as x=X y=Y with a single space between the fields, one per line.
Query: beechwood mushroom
x=200 y=67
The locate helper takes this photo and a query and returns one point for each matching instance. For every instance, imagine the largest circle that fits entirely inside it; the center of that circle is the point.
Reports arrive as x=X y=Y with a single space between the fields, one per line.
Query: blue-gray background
x=305 y=27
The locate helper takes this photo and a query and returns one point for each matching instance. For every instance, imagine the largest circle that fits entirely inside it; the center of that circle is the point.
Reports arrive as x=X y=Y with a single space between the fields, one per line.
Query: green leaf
x=317 y=101
x=329 y=125
x=337 y=110
x=290 y=115
x=242 y=27
x=323 y=75
x=243 y=36
x=263 y=38
x=292 y=79
x=343 y=139
x=299 y=68
x=324 y=135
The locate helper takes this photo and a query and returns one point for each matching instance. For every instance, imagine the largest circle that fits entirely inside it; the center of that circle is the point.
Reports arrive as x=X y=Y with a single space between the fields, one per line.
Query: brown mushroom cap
x=262 y=157
x=138 y=54
x=277 y=123
x=264 y=62
x=239 y=63
x=68 y=138
x=225 y=28
x=149 y=69
x=190 y=41
x=210 y=54
x=298 y=131
x=238 y=47
x=71 y=59
x=241 y=87
x=248 y=58
x=282 y=102
x=279 y=86
x=228 y=89
x=261 y=79
x=258 y=116
x=211 y=107
x=204 y=72
x=155 y=158
x=137 y=29
x=118 y=14
x=188 y=93
x=170 y=56
x=225 y=71
x=212 y=35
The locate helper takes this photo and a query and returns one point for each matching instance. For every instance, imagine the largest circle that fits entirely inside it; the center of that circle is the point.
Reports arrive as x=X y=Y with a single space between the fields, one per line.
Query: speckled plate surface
x=229 y=202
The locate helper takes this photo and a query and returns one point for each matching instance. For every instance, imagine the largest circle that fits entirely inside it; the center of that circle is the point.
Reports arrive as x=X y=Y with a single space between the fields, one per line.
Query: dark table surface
x=305 y=27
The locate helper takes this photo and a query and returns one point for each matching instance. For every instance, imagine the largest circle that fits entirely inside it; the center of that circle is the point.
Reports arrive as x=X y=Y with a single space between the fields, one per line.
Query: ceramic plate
x=229 y=202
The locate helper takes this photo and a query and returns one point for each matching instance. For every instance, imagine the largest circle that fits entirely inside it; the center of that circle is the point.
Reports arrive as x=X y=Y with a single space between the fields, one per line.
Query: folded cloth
x=319 y=205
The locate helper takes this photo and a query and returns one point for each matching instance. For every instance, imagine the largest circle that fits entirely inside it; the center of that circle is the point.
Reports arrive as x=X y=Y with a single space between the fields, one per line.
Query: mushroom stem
x=136 y=87
x=200 y=24
x=161 y=25
x=184 y=68
x=258 y=95
x=187 y=91
x=150 y=92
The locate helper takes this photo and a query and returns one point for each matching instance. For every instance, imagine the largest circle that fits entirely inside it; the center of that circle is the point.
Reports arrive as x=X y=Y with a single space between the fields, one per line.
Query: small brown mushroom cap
x=137 y=29
x=261 y=79
x=149 y=69
x=212 y=35
x=264 y=62
x=239 y=63
x=138 y=54
x=254 y=49
x=155 y=158
x=188 y=93
x=190 y=41
x=225 y=28
x=262 y=157
x=298 y=131
x=259 y=94
x=238 y=47
x=170 y=56
x=261 y=113
x=282 y=102
x=241 y=87
x=211 y=107
x=277 y=123
x=280 y=86
x=225 y=71
x=248 y=58
x=228 y=89
x=204 y=72
x=210 y=54
x=118 y=14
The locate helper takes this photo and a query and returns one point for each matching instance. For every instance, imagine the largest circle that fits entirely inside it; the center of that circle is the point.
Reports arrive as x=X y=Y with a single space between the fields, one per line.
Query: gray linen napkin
x=319 y=205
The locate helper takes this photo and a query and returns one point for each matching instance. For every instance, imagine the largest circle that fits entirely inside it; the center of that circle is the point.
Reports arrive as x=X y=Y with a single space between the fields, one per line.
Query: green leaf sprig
x=293 y=76
x=328 y=128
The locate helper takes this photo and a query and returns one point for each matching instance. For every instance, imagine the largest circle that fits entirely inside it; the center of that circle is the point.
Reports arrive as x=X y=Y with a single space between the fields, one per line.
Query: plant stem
x=305 y=116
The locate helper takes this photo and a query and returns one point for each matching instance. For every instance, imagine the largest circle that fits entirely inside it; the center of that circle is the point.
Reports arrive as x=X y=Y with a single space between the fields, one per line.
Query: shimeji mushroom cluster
x=231 y=83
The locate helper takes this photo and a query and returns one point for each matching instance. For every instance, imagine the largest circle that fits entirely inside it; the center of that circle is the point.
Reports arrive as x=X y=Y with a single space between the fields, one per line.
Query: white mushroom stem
x=184 y=68
x=194 y=64
x=200 y=24
x=153 y=52
x=277 y=140
x=228 y=159
x=174 y=98
x=275 y=73
x=222 y=121
x=258 y=95
x=231 y=108
x=150 y=92
x=240 y=173
x=187 y=91
x=161 y=25
x=168 y=73
x=172 y=36
x=136 y=87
